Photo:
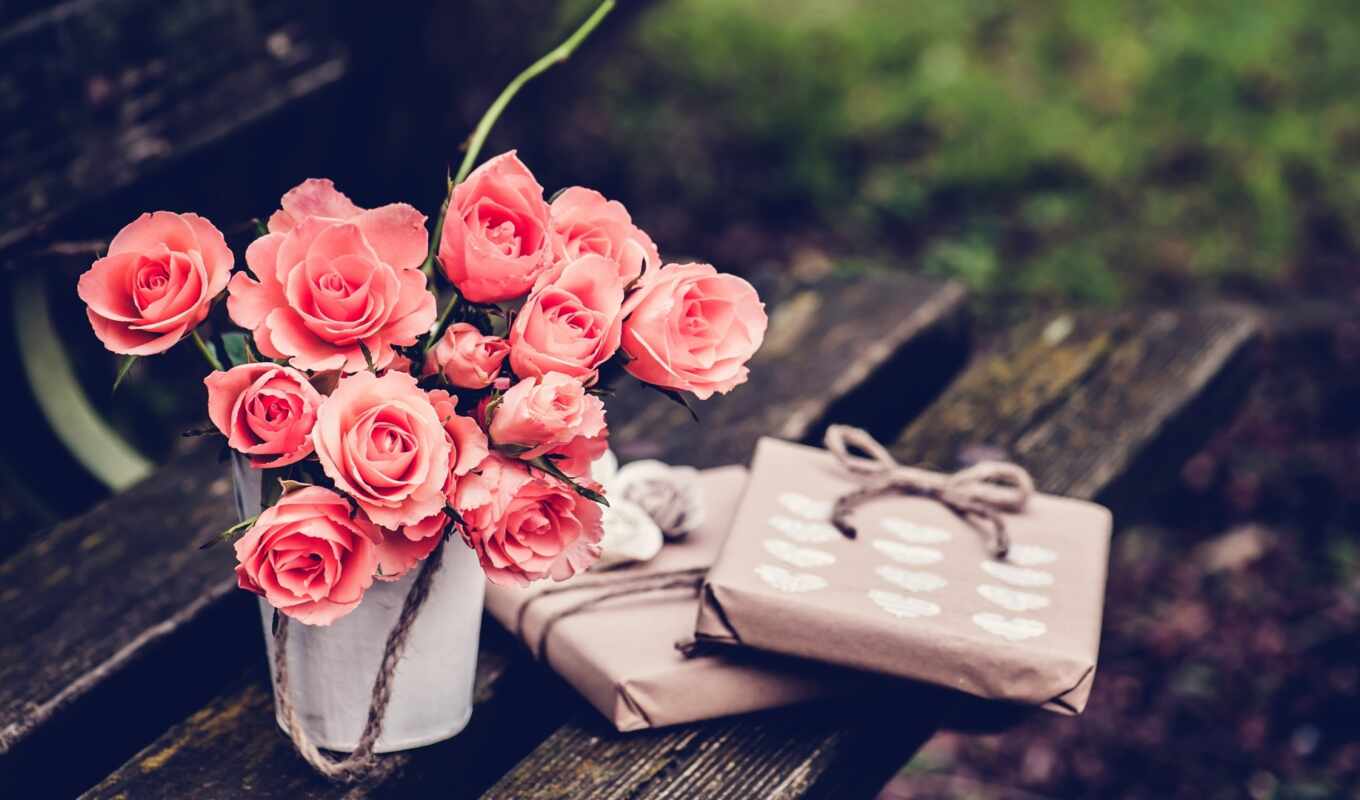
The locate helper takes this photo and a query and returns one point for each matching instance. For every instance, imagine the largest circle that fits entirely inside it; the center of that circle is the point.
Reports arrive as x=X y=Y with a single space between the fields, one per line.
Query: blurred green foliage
x=1079 y=149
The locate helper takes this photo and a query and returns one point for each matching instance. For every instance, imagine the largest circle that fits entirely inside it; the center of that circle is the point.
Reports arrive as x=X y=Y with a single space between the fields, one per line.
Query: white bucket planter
x=332 y=668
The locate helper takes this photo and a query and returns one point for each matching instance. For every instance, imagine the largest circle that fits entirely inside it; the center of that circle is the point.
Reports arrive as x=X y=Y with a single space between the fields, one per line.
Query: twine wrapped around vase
x=361 y=763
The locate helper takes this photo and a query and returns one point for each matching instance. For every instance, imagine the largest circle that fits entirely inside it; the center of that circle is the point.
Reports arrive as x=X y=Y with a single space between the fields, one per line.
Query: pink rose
x=383 y=444
x=525 y=526
x=309 y=556
x=690 y=328
x=332 y=279
x=467 y=442
x=157 y=282
x=403 y=549
x=584 y=222
x=266 y=412
x=495 y=239
x=552 y=415
x=571 y=323
x=466 y=358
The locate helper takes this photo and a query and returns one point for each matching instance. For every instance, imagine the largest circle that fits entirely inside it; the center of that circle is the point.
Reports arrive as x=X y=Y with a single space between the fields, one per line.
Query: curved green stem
x=556 y=55
x=207 y=352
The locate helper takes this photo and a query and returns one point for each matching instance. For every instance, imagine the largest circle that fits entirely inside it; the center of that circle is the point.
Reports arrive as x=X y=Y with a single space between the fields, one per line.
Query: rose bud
x=467 y=358
x=692 y=329
x=495 y=240
x=157 y=282
x=266 y=412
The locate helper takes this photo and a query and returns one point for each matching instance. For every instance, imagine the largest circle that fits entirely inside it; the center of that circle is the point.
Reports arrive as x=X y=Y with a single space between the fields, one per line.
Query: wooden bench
x=129 y=662
x=1095 y=405
x=170 y=610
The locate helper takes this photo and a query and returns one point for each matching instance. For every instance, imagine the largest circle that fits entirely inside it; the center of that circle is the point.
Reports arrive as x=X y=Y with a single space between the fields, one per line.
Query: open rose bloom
x=399 y=392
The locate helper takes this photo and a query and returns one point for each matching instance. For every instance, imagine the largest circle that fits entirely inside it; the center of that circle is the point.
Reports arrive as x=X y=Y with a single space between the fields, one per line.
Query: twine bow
x=361 y=764
x=979 y=494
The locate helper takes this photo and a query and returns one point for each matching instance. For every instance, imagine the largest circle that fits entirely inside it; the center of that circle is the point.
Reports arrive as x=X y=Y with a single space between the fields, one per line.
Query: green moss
x=1085 y=149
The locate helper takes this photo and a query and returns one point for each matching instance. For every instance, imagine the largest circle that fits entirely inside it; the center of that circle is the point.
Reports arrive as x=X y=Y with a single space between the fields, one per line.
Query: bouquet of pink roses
x=400 y=386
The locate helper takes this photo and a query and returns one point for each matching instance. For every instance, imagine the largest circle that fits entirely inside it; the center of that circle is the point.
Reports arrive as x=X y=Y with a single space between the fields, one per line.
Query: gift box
x=613 y=635
x=919 y=592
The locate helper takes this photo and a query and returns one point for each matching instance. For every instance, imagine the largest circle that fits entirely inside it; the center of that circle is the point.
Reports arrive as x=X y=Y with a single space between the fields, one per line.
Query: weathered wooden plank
x=238 y=729
x=524 y=697
x=1078 y=400
x=101 y=93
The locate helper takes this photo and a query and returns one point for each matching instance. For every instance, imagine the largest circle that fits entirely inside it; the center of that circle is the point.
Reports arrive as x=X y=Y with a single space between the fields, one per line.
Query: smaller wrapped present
x=970 y=581
x=613 y=634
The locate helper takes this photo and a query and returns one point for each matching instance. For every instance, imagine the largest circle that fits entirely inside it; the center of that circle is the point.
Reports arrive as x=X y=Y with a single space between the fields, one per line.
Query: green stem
x=439 y=323
x=554 y=56
x=207 y=351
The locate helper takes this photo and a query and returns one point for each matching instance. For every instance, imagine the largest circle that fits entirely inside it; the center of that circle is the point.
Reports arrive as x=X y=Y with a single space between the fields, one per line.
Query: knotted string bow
x=979 y=494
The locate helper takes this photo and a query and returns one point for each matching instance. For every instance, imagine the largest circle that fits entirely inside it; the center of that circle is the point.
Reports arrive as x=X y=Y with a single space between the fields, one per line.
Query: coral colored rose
x=584 y=222
x=467 y=358
x=690 y=328
x=266 y=412
x=526 y=526
x=332 y=279
x=309 y=556
x=571 y=322
x=496 y=238
x=467 y=442
x=403 y=549
x=552 y=415
x=157 y=282
x=383 y=444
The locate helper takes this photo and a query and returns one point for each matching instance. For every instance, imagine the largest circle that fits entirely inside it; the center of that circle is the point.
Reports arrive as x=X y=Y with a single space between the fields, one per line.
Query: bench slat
x=103 y=92
x=810 y=373
x=1078 y=400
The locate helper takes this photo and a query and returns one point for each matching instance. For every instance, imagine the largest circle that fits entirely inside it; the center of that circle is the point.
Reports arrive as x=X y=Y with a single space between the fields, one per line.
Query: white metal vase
x=332 y=668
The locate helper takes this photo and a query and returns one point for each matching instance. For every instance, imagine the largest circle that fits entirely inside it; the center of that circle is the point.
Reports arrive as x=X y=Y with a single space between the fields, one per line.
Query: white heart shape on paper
x=630 y=535
x=1013 y=628
x=908 y=553
x=786 y=581
x=900 y=605
x=1031 y=555
x=916 y=534
x=803 y=531
x=798 y=556
x=910 y=580
x=806 y=507
x=1017 y=576
x=1011 y=599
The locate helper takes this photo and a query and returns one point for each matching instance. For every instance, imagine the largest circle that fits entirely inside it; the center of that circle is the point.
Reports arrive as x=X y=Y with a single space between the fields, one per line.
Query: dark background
x=1065 y=153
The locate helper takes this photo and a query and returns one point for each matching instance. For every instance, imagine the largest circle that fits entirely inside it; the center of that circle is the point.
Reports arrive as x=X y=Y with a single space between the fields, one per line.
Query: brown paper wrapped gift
x=917 y=593
x=620 y=652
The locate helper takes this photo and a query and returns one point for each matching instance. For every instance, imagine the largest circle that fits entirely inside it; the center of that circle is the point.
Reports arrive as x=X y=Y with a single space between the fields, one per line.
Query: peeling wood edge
x=298 y=87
